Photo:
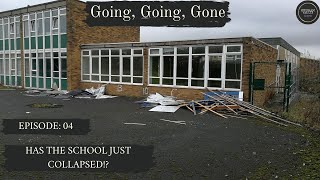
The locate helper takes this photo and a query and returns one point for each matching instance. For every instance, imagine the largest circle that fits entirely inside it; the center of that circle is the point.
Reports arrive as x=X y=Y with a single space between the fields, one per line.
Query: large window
x=213 y=66
x=113 y=65
x=182 y=66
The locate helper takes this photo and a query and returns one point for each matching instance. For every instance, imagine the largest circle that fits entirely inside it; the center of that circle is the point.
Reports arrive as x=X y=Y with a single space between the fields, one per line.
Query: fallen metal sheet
x=105 y=96
x=161 y=108
x=177 y=122
x=140 y=124
x=163 y=100
x=96 y=92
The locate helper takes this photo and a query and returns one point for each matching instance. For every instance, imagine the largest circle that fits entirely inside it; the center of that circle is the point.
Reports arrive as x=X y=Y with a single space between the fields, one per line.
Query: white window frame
x=206 y=68
x=109 y=75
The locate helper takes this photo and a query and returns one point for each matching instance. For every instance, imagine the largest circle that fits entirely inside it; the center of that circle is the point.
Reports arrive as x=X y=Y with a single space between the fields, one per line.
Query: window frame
x=206 y=77
x=109 y=57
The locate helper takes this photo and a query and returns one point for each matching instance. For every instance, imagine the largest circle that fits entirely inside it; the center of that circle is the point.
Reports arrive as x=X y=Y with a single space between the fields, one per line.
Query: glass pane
x=137 y=80
x=215 y=66
x=167 y=81
x=1 y=66
x=198 y=66
x=126 y=79
x=155 y=66
x=7 y=66
x=182 y=82
x=27 y=67
x=40 y=28
x=55 y=64
x=137 y=51
x=154 y=51
x=39 y=15
x=94 y=77
x=1 y=32
x=215 y=49
x=48 y=67
x=47 y=26
x=126 y=51
x=26 y=28
x=63 y=64
x=17 y=29
x=85 y=52
x=85 y=65
x=63 y=24
x=6 y=31
x=63 y=54
x=199 y=83
x=40 y=67
x=168 y=50
x=115 y=78
x=63 y=74
x=34 y=64
x=233 y=67
x=54 y=22
x=154 y=81
x=104 y=52
x=234 y=49
x=104 y=65
x=138 y=66
x=95 y=52
x=55 y=12
x=13 y=64
x=183 y=50
x=62 y=11
x=126 y=62
x=95 y=65
x=115 y=52
x=182 y=66
x=104 y=78
x=214 y=84
x=85 y=77
x=115 y=64
x=47 y=14
x=168 y=66
x=233 y=84
x=198 y=50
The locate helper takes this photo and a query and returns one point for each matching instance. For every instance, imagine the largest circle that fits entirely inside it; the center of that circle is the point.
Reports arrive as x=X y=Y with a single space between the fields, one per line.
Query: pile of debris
x=217 y=102
x=91 y=93
x=224 y=105
x=161 y=103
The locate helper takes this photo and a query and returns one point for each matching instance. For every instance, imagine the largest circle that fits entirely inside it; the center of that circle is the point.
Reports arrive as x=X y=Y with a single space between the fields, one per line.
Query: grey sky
x=269 y=18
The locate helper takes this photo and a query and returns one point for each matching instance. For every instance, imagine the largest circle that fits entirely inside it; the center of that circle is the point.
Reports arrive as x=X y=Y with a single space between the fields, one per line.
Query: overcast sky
x=269 y=18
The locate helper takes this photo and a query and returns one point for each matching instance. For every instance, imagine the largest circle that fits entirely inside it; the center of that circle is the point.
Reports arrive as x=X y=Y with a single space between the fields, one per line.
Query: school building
x=50 y=44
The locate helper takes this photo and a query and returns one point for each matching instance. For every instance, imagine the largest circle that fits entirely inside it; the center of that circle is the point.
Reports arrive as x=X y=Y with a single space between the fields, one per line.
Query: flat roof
x=34 y=8
x=164 y=43
x=280 y=41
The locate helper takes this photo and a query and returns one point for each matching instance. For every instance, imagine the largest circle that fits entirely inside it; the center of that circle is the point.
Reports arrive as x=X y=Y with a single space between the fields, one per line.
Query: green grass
x=306 y=111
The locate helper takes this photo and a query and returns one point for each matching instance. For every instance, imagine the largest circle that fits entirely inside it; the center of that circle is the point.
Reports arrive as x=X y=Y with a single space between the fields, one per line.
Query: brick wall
x=253 y=51
x=79 y=33
x=309 y=68
x=257 y=51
